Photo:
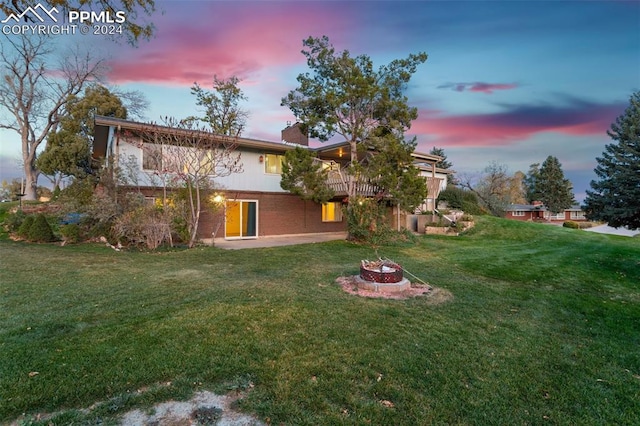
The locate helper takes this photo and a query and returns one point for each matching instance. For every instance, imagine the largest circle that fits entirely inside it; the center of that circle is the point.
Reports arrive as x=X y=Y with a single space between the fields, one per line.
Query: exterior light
x=218 y=198
x=261 y=159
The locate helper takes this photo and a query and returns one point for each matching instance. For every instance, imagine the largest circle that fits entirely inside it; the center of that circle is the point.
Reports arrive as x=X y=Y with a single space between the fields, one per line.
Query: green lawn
x=543 y=328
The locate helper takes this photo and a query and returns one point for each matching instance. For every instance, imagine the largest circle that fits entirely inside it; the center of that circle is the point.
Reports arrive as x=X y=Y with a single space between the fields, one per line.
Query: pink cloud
x=226 y=39
x=516 y=123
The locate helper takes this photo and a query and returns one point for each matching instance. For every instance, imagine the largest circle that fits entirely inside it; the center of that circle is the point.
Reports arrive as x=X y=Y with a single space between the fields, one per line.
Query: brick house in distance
x=255 y=205
x=538 y=212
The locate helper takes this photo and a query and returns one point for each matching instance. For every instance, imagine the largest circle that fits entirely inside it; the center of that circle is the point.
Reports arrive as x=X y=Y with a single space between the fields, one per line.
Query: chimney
x=295 y=134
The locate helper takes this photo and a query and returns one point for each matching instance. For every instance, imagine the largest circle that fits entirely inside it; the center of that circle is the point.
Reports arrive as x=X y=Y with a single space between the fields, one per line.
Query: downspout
x=433 y=178
x=116 y=159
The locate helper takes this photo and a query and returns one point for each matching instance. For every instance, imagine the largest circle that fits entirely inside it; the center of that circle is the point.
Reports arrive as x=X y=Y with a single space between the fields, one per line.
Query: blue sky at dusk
x=511 y=82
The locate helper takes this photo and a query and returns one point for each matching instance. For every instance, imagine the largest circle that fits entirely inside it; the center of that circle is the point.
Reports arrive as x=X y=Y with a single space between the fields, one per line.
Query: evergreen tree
x=532 y=193
x=345 y=95
x=391 y=167
x=615 y=196
x=444 y=164
x=555 y=191
x=68 y=150
x=304 y=176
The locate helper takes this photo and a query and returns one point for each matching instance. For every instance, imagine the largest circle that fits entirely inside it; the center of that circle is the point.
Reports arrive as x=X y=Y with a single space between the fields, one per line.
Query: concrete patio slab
x=277 y=241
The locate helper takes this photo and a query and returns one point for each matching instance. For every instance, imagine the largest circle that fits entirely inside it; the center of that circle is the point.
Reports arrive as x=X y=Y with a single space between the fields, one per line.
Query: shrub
x=40 y=231
x=458 y=198
x=466 y=218
x=13 y=220
x=571 y=224
x=144 y=226
x=25 y=226
x=70 y=233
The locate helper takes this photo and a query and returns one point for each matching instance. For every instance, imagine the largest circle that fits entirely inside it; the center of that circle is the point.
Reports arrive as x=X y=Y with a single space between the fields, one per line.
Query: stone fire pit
x=382 y=276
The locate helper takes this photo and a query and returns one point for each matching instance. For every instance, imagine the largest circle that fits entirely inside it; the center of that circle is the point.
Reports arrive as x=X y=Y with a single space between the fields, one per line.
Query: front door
x=241 y=219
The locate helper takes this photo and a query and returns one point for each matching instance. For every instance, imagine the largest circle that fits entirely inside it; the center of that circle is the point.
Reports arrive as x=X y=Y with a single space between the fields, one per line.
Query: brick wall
x=278 y=214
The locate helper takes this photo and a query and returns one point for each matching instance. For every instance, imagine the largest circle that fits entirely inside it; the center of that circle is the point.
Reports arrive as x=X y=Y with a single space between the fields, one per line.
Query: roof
x=538 y=207
x=335 y=151
x=103 y=123
x=526 y=207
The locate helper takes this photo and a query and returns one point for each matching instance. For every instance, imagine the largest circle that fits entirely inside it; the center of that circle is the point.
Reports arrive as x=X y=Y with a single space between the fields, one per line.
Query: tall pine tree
x=547 y=184
x=555 y=191
x=615 y=196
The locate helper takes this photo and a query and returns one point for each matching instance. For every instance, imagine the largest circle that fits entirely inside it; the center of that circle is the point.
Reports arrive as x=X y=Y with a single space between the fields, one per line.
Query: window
x=332 y=212
x=577 y=215
x=273 y=163
x=556 y=216
x=517 y=213
x=152 y=157
x=330 y=165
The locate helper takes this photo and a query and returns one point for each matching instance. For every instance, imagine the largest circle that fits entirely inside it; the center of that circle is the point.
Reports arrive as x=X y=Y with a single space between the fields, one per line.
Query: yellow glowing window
x=273 y=163
x=331 y=212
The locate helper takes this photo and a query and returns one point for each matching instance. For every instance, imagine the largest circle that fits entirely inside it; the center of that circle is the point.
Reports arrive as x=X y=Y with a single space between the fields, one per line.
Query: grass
x=543 y=328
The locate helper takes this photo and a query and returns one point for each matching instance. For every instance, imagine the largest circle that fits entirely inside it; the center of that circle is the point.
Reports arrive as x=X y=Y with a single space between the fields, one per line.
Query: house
x=538 y=212
x=255 y=204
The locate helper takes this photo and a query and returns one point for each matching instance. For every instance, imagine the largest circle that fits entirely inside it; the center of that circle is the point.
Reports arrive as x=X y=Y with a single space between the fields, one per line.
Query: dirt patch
x=205 y=408
x=433 y=295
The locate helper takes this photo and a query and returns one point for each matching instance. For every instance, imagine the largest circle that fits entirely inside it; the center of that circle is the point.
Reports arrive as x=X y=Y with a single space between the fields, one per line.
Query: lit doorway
x=241 y=219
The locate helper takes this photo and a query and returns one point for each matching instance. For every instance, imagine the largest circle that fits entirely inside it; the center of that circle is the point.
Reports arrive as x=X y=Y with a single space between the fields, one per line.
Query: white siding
x=253 y=178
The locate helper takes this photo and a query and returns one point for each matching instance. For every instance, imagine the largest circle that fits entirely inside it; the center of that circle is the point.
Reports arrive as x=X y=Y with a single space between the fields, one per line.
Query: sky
x=507 y=82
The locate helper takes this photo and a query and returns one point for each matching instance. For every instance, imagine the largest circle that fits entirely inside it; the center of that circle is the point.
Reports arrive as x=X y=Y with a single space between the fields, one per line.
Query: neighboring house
x=538 y=212
x=255 y=204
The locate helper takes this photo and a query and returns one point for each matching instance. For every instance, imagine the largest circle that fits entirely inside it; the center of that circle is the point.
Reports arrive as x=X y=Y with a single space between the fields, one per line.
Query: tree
x=615 y=196
x=35 y=93
x=444 y=164
x=493 y=188
x=556 y=192
x=517 y=189
x=194 y=157
x=531 y=181
x=461 y=198
x=390 y=167
x=134 y=27
x=222 y=111
x=346 y=96
x=68 y=150
x=304 y=176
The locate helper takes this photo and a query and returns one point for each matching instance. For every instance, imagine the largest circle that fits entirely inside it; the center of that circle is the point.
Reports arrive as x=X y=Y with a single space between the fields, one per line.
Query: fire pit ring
x=386 y=273
x=382 y=276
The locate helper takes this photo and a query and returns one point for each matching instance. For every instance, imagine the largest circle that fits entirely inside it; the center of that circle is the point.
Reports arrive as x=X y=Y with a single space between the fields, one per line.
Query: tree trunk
x=351 y=182
x=31 y=184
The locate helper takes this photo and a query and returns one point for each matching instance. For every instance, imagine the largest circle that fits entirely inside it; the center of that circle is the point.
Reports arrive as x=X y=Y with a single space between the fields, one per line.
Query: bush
x=13 y=220
x=461 y=199
x=25 y=226
x=40 y=231
x=71 y=233
x=571 y=224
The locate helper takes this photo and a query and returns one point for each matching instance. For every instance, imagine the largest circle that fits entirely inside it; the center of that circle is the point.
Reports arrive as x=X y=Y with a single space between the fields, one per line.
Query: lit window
x=331 y=212
x=273 y=163
x=330 y=165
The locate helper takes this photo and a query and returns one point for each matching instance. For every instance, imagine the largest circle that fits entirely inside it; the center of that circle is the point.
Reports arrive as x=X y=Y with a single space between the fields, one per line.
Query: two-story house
x=255 y=204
